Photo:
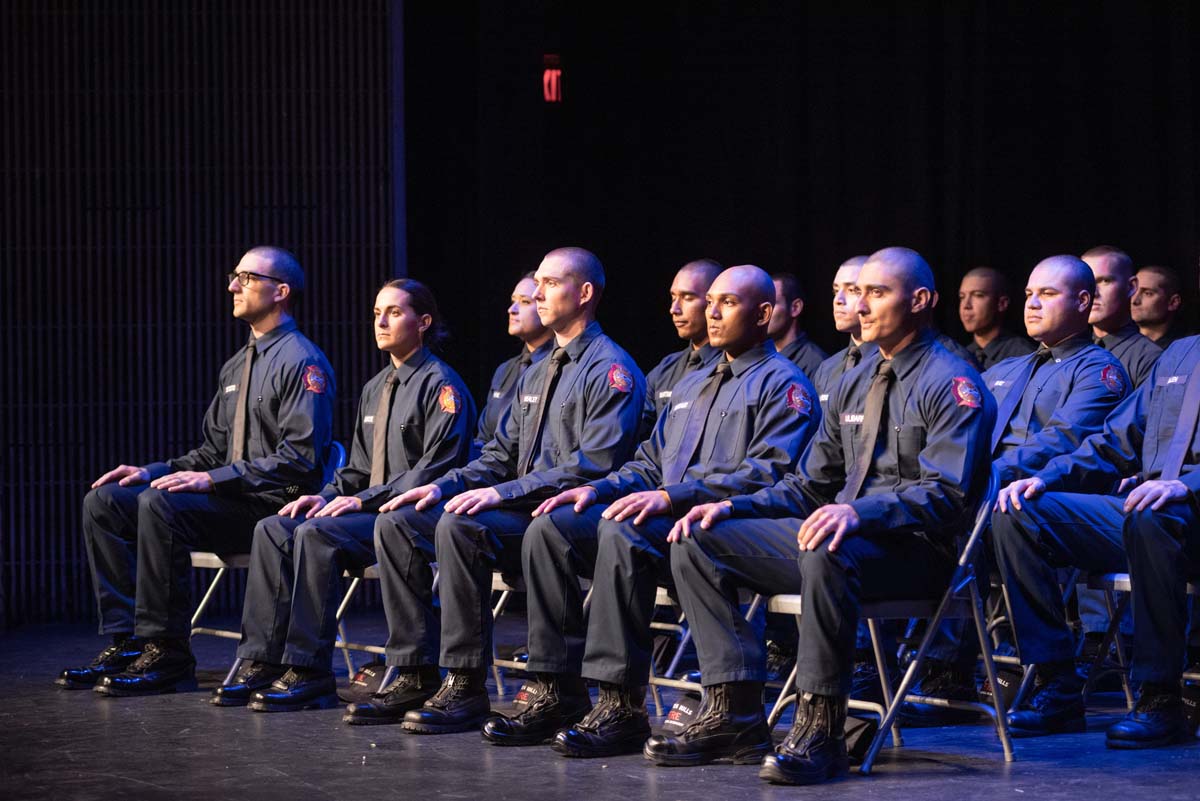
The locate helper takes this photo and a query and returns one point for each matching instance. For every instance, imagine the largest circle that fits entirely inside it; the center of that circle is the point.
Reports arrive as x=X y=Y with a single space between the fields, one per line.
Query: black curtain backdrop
x=144 y=146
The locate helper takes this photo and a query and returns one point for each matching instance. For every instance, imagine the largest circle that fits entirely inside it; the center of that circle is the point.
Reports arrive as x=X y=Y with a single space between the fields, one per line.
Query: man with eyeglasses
x=266 y=437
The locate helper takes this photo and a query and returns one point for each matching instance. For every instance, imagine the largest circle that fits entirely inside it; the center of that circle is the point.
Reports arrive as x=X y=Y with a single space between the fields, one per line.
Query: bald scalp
x=285 y=267
x=996 y=279
x=750 y=283
x=1074 y=270
x=854 y=261
x=909 y=265
x=583 y=266
x=705 y=270
x=1116 y=257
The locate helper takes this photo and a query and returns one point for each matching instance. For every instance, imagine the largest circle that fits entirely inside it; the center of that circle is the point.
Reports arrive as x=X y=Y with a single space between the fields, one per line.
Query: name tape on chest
x=664 y=394
x=530 y=398
x=368 y=418
x=231 y=388
x=681 y=405
x=852 y=419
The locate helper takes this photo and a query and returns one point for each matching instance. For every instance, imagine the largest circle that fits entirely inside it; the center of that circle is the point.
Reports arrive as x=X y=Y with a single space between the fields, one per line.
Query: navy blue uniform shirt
x=1136 y=352
x=590 y=426
x=804 y=353
x=429 y=431
x=661 y=381
x=1004 y=346
x=831 y=370
x=760 y=421
x=290 y=421
x=501 y=390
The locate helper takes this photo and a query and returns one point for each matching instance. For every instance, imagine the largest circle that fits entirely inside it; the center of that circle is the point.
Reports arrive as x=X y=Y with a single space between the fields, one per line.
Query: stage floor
x=78 y=745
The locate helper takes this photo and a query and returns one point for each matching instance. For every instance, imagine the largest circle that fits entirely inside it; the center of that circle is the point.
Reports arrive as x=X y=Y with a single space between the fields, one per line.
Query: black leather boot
x=556 y=701
x=164 y=666
x=299 y=688
x=731 y=725
x=249 y=680
x=941 y=680
x=112 y=660
x=411 y=688
x=1055 y=708
x=1157 y=720
x=617 y=724
x=815 y=748
x=460 y=704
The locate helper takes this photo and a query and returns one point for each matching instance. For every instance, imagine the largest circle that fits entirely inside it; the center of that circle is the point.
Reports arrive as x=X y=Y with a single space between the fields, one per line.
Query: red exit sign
x=552 y=78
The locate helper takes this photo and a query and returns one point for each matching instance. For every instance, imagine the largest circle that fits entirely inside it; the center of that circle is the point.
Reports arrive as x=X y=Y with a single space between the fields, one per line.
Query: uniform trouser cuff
x=805 y=684
x=257 y=655
x=466 y=663
x=307 y=661
x=542 y=666
x=408 y=659
x=709 y=678
x=116 y=628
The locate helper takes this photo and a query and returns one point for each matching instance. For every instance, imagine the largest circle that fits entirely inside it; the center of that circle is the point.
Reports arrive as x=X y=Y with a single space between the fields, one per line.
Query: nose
x=234 y=285
x=676 y=308
x=1033 y=303
x=381 y=321
x=538 y=294
x=512 y=309
x=861 y=308
x=713 y=311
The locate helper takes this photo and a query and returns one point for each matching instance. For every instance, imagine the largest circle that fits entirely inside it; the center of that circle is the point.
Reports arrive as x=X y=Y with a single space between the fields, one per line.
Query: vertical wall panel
x=143 y=148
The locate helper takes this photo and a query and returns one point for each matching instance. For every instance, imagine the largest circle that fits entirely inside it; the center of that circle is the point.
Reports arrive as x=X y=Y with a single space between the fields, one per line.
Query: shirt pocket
x=910 y=442
x=1165 y=407
x=729 y=445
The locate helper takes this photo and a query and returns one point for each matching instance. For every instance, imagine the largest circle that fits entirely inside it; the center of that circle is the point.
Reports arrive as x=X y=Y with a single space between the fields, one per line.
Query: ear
x=586 y=293
x=282 y=292
x=1174 y=303
x=426 y=321
x=1002 y=304
x=796 y=309
x=1085 y=300
x=1133 y=285
x=922 y=299
x=765 y=310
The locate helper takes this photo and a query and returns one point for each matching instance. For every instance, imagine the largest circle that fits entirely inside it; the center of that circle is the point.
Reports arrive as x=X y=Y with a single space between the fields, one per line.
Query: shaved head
x=1074 y=271
x=907 y=263
x=747 y=281
x=583 y=266
x=283 y=266
x=855 y=261
x=706 y=270
x=1116 y=258
x=995 y=278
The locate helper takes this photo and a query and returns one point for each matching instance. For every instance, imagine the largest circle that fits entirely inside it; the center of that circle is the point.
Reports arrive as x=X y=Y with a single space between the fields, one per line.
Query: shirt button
x=260 y=398
x=897 y=429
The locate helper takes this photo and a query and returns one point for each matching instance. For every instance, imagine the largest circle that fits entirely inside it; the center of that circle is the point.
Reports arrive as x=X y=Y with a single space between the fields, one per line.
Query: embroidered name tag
x=496 y=394
x=823 y=398
x=679 y=406
x=369 y=418
x=999 y=383
x=1175 y=379
x=851 y=419
x=666 y=393
x=231 y=388
x=530 y=398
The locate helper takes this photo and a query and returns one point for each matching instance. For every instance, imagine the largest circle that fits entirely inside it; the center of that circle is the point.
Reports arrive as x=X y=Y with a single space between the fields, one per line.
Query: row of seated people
x=751 y=477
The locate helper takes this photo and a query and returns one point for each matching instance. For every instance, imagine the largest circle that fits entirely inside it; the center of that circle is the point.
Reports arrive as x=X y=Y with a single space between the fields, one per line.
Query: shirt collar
x=578 y=345
x=266 y=341
x=1070 y=346
x=909 y=359
x=753 y=356
x=1120 y=335
x=541 y=351
x=408 y=368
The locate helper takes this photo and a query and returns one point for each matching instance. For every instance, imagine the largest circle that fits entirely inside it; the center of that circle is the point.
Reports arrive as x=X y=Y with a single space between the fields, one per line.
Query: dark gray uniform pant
x=139 y=542
x=292 y=592
x=613 y=643
x=466 y=548
x=762 y=555
x=1058 y=529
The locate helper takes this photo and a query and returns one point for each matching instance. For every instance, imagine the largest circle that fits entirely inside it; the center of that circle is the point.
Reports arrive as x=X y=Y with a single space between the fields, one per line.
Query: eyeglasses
x=244 y=278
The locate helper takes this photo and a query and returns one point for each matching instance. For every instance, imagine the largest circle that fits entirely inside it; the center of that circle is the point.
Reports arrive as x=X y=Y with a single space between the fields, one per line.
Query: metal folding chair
x=962 y=599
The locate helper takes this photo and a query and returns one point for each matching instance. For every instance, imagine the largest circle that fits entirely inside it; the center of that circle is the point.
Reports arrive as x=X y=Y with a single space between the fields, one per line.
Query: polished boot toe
x=617 y=724
x=408 y=691
x=163 y=667
x=111 y=661
x=1158 y=720
x=553 y=703
x=460 y=704
x=249 y=680
x=1056 y=708
x=728 y=728
x=298 y=688
x=814 y=750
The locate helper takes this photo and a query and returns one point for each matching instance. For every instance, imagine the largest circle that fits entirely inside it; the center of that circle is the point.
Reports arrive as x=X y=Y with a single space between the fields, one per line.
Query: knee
x=618 y=538
x=542 y=536
x=155 y=505
x=820 y=566
x=1142 y=527
x=273 y=531
x=1010 y=528
x=99 y=502
x=453 y=531
x=689 y=556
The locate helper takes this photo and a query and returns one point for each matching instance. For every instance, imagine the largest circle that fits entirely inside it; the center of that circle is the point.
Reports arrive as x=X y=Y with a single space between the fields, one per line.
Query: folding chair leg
x=884 y=679
x=1116 y=611
x=498 y=610
x=787 y=697
x=655 y=693
x=208 y=594
x=237 y=665
x=989 y=668
x=341 y=612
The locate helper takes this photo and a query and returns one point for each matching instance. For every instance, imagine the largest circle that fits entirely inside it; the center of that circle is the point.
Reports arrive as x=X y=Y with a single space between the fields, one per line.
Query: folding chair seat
x=962 y=599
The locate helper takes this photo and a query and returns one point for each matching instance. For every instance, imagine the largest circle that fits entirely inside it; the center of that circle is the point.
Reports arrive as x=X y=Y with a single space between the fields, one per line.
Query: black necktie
x=693 y=430
x=524 y=361
x=380 y=440
x=872 y=421
x=243 y=406
x=552 y=367
x=1013 y=399
x=693 y=360
x=1185 y=429
x=853 y=356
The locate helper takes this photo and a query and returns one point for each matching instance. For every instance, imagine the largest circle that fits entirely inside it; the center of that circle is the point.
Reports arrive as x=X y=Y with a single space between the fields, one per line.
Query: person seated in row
x=887 y=482
x=413 y=424
x=574 y=417
x=267 y=436
x=732 y=429
x=983 y=300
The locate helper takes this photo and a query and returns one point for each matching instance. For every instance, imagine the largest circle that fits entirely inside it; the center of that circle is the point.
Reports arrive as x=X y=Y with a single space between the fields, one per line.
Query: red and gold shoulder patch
x=1111 y=377
x=619 y=378
x=449 y=400
x=966 y=393
x=315 y=380
x=798 y=399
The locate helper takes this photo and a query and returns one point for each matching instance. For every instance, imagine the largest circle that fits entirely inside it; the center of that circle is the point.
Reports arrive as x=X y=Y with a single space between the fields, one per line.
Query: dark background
x=144 y=146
